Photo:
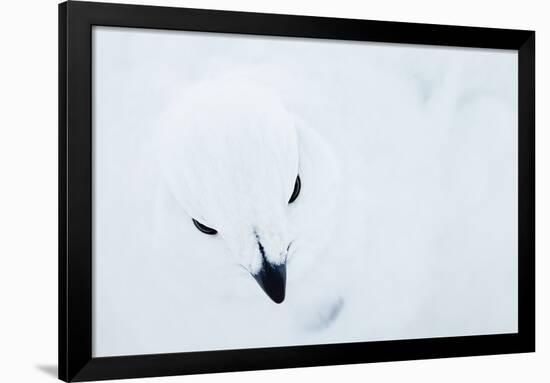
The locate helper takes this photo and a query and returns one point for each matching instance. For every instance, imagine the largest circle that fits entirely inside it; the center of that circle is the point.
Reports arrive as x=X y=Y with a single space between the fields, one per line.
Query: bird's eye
x=296 y=191
x=205 y=229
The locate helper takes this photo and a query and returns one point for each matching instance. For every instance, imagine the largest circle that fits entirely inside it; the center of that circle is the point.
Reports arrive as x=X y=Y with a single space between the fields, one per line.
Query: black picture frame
x=75 y=190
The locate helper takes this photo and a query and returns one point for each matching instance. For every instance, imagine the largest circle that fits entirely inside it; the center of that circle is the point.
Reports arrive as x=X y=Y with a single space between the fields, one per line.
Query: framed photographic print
x=246 y=191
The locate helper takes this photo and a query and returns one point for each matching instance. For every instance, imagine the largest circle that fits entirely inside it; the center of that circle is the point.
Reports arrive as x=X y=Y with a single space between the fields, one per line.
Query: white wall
x=28 y=193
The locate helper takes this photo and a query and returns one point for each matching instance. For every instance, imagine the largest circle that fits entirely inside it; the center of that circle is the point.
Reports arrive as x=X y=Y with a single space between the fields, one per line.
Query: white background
x=28 y=194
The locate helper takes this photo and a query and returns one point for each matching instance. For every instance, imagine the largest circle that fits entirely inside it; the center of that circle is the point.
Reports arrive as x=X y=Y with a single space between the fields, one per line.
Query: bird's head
x=230 y=158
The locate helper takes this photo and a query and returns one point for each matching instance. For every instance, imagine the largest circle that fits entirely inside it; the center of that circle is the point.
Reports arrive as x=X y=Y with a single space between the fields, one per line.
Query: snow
x=406 y=225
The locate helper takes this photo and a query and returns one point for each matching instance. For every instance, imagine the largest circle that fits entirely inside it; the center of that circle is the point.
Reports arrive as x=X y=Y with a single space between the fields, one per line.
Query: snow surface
x=406 y=225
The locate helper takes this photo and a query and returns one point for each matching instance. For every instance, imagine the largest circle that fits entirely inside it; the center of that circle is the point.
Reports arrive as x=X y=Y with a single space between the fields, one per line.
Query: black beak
x=272 y=279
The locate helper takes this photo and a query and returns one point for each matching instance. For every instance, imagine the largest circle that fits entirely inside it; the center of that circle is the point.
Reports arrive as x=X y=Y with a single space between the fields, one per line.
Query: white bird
x=258 y=189
x=398 y=242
